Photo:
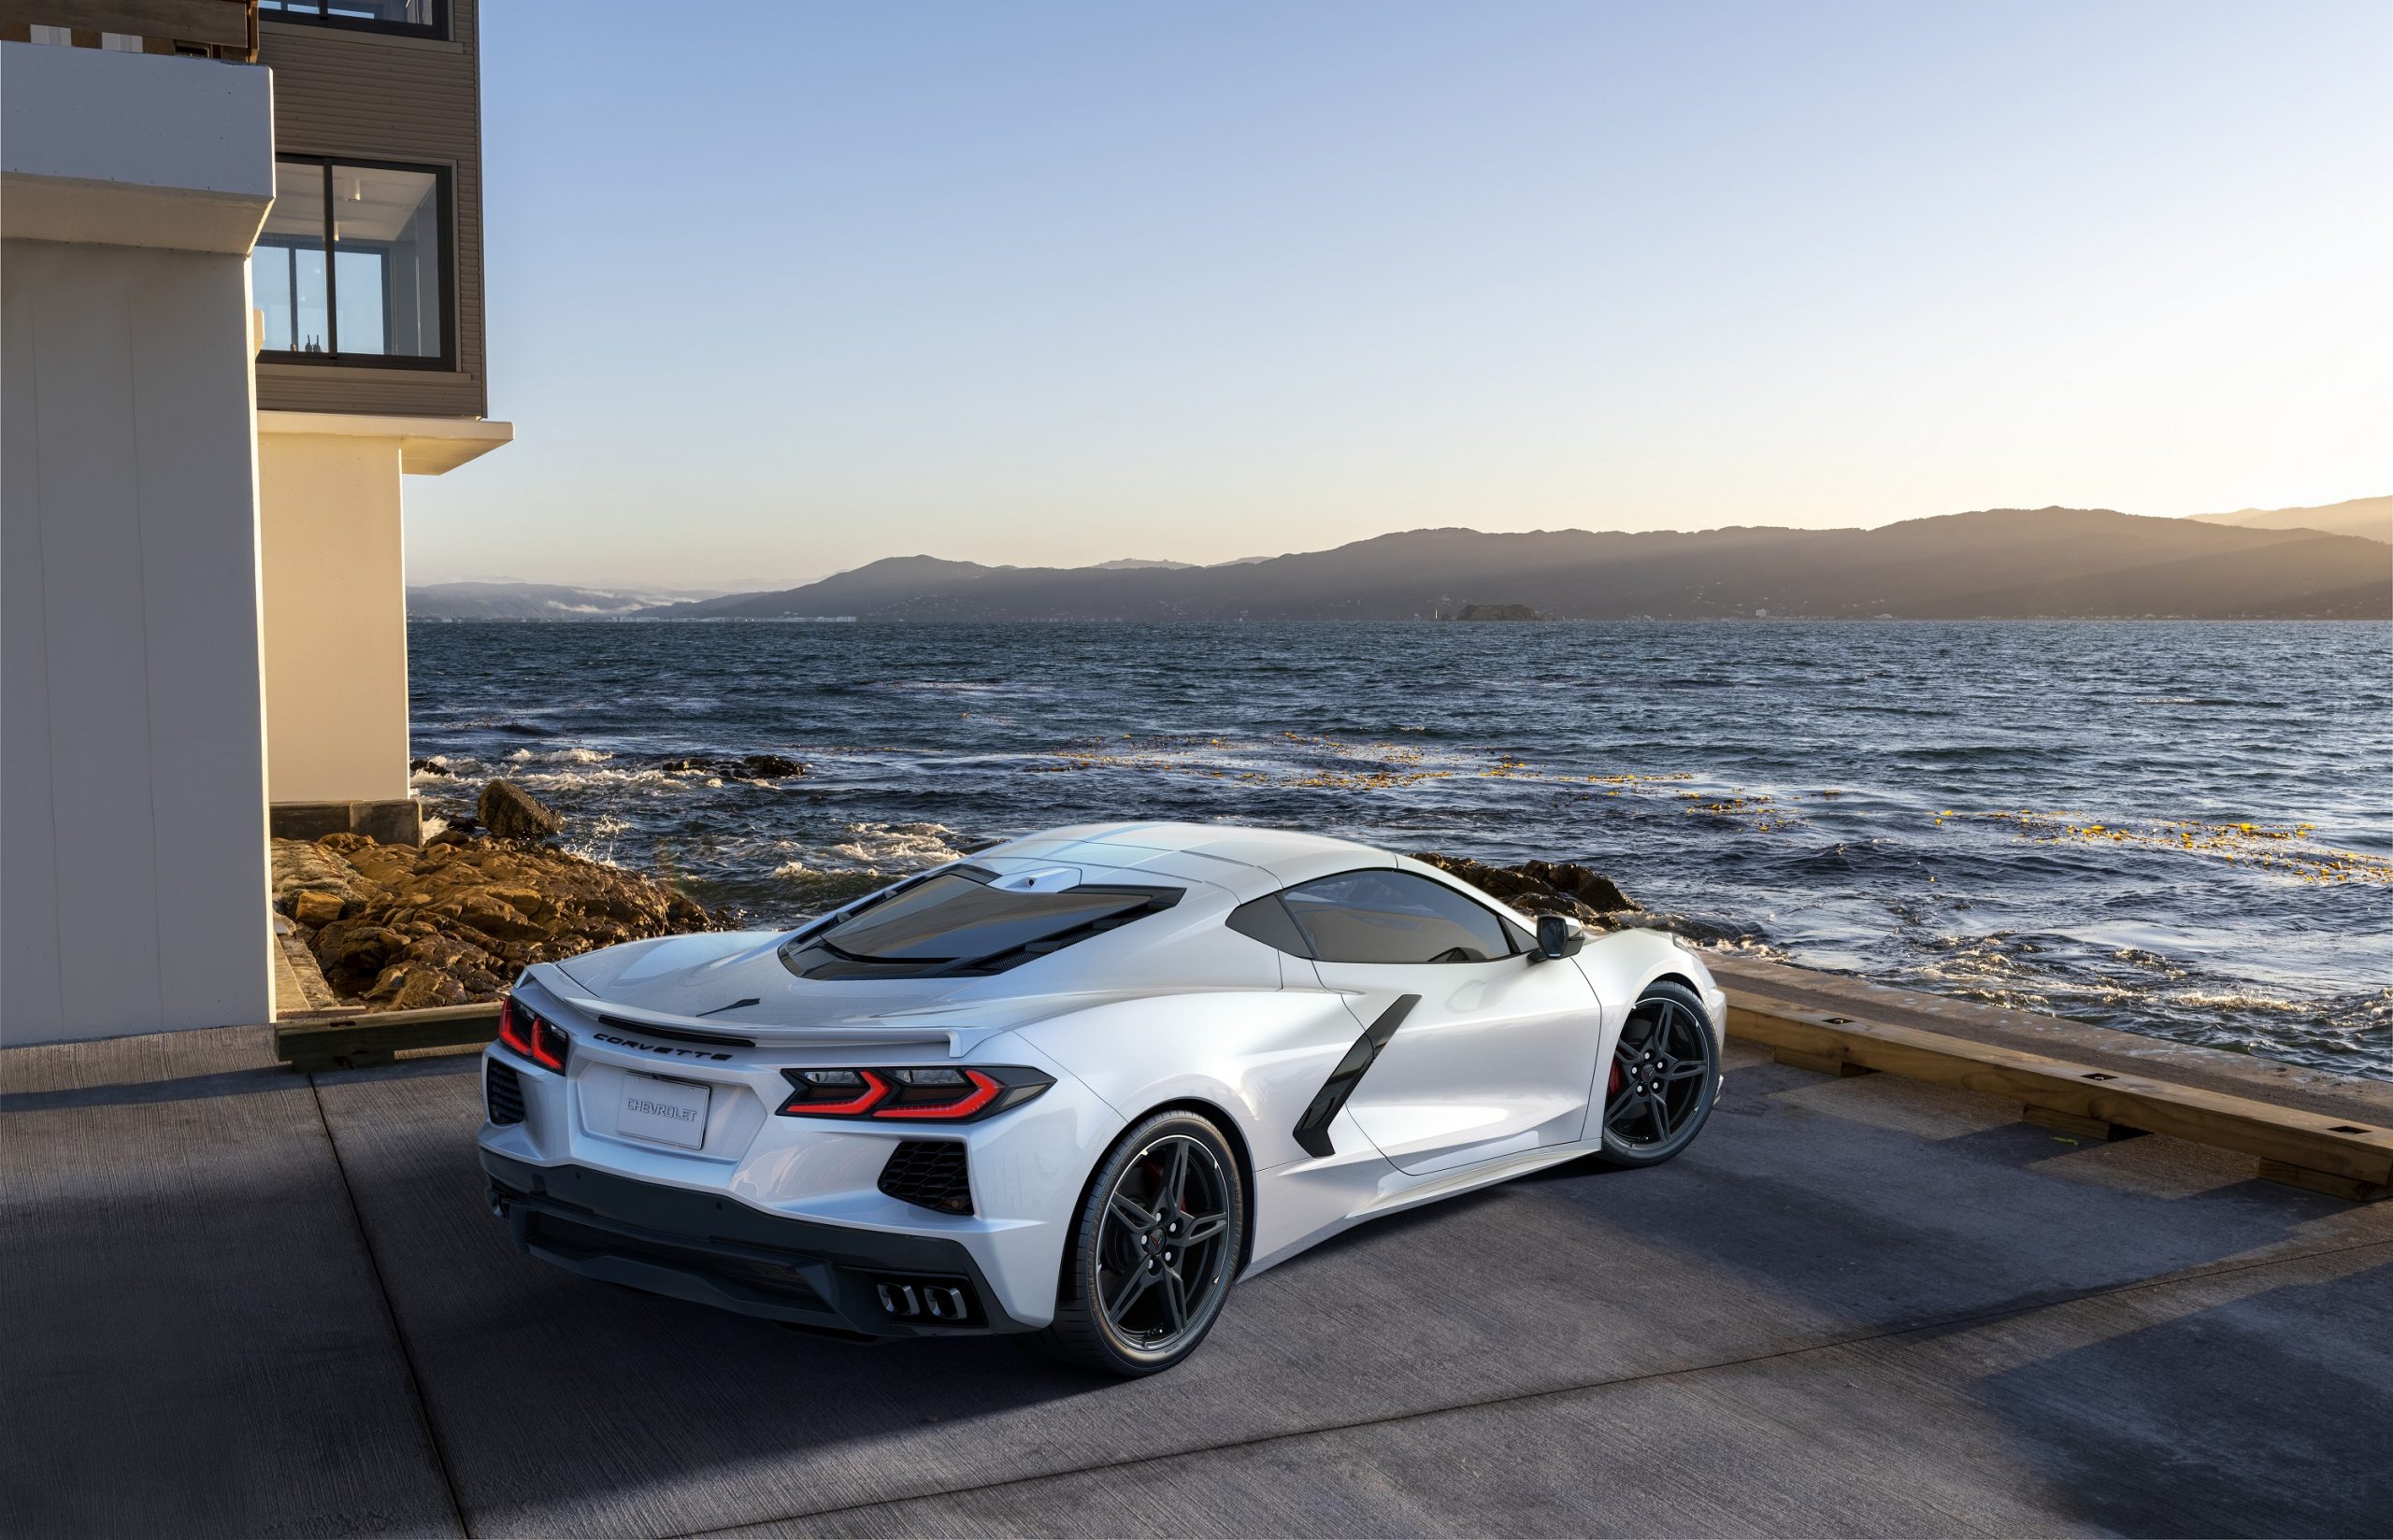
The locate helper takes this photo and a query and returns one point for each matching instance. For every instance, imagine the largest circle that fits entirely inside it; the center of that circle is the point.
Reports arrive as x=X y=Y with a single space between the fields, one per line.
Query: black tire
x=1120 y=1306
x=1664 y=1076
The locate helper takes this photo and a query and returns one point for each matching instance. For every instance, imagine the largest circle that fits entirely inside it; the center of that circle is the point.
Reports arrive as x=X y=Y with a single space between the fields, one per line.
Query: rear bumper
x=715 y=1250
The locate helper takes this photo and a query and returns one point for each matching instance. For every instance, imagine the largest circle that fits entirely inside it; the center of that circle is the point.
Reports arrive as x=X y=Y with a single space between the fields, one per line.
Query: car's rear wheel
x=1665 y=1076
x=1153 y=1248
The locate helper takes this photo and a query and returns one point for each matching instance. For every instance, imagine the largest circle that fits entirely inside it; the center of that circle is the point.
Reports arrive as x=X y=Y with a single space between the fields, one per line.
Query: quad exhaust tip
x=901 y=1300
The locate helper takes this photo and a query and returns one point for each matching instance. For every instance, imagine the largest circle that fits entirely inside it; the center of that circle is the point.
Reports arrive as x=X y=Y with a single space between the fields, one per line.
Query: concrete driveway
x=241 y=1303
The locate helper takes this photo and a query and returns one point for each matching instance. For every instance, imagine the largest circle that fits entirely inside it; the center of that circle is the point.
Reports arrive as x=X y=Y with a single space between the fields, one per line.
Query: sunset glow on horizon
x=1056 y=284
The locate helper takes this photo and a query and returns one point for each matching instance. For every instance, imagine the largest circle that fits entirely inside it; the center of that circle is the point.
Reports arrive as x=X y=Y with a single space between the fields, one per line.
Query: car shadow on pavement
x=562 y=1405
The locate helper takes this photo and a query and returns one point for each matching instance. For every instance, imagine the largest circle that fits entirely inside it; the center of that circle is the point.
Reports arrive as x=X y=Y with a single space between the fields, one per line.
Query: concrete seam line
x=391 y=1314
x=1975 y=1318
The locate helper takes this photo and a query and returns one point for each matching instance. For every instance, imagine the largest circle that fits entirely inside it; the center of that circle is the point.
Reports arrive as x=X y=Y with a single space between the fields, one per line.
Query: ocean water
x=2179 y=828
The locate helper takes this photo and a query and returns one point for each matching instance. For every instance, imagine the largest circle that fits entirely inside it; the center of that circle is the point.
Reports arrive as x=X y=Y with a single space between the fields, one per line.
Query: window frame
x=436 y=29
x=1504 y=927
x=444 y=238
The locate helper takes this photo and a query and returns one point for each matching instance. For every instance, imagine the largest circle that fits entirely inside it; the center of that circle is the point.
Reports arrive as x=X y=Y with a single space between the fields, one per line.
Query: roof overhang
x=428 y=445
x=118 y=148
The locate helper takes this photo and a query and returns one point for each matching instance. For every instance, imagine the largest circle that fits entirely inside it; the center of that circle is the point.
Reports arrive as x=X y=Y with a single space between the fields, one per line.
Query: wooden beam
x=1820 y=1063
x=2084 y=1128
x=360 y=1040
x=219 y=22
x=2307 y=1148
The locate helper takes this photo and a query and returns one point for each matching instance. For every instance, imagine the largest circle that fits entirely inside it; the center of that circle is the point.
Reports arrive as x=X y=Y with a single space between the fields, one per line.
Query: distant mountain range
x=1999 y=564
x=2370 y=518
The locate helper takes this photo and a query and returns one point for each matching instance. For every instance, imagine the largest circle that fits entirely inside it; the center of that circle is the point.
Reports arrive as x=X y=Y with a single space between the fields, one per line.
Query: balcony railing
x=207 y=29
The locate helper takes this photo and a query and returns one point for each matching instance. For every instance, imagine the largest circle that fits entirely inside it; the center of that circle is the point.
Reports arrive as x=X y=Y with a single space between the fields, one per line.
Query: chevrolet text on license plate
x=672 y=1112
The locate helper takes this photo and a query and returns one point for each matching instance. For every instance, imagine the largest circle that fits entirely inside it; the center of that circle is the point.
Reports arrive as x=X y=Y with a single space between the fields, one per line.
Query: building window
x=414 y=18
x=351 y=266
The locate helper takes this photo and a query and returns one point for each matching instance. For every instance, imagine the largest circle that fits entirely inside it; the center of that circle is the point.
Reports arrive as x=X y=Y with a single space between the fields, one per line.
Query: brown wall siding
x=382 y=98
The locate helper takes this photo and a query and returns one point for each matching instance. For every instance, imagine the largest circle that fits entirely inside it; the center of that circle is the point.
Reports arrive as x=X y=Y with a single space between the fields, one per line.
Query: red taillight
x=817 y=1096
x=542 y=1042
x=984 y=1091
x=944 y=1093
x=514 y=1024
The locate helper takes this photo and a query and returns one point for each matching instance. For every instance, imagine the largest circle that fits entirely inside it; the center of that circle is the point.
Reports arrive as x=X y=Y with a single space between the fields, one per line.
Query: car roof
x=1248 y=861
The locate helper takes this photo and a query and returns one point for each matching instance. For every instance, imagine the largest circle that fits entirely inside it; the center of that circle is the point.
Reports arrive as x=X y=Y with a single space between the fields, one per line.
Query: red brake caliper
x=1613 y=1090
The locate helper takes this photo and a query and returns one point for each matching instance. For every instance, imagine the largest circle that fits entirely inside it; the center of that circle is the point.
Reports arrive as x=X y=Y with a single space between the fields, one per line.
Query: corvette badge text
x=652 y=1048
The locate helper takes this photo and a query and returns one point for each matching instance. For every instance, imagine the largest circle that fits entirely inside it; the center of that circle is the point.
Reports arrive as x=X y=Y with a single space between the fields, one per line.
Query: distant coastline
x=1997 y=565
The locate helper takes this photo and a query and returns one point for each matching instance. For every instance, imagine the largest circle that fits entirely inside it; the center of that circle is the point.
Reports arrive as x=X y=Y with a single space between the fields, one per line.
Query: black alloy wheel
x=1664 y=1076
x=1155 y=1251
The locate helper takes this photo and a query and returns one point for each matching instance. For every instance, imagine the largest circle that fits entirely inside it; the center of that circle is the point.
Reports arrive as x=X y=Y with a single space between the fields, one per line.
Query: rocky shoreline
x=398 y=927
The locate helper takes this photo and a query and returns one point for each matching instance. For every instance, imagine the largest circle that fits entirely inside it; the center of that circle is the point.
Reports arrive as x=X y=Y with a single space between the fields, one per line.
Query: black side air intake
x=1313 y=1129
x=931 y=1173
x=503 y=1092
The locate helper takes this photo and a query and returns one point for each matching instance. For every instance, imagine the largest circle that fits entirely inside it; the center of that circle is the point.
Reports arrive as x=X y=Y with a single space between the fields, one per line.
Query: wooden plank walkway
x=2316 y=1150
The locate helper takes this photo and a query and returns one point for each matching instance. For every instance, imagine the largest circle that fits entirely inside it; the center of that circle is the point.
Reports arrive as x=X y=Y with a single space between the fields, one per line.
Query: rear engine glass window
x=1395 y=917
x=957 y=922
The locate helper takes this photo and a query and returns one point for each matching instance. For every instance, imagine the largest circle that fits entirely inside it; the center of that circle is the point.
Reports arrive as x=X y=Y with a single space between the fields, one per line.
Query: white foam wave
x=948 y=687
x=872 y=848
x=578 y=780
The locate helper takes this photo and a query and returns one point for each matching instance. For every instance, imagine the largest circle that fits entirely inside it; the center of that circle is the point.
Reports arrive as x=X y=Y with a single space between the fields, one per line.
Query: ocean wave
x=574 y=781
x=870 y=849
x=948 y=687
x=442 y=770
x=816 y=875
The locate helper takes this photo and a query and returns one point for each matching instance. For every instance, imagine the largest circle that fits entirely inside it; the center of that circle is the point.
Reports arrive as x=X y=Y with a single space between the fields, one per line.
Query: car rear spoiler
x=953 y=1040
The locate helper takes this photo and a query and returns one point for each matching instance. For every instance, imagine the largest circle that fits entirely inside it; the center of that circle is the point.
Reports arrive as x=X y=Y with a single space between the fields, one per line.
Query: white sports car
x=1076 y=1085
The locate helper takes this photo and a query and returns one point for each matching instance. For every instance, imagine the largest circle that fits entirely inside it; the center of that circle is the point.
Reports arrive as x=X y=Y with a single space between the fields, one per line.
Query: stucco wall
x=336 y=617
x=133 y=868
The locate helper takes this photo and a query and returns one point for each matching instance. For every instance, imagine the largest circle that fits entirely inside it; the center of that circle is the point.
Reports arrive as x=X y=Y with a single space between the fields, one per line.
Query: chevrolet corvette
x=1075 y=1086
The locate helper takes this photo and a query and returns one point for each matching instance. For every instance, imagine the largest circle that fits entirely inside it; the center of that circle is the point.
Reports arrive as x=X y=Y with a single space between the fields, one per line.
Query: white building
x=202 y=602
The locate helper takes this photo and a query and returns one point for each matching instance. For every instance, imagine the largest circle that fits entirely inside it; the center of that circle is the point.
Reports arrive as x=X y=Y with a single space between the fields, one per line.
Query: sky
x=796 y=286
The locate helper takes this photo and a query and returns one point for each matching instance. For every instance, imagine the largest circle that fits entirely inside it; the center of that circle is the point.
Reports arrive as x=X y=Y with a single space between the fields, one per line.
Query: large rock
x=735 y=766
x=311 y=907
x=356 y=949
x=510 y=812
x=415 y=985
x=302 y=867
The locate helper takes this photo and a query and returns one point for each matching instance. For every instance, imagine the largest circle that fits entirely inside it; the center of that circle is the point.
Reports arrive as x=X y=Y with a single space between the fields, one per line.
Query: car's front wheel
x=1665 y=1075
x=1153 y=1248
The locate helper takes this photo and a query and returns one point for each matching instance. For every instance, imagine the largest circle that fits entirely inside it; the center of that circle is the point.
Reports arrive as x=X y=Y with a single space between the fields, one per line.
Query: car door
x=1493 y=1055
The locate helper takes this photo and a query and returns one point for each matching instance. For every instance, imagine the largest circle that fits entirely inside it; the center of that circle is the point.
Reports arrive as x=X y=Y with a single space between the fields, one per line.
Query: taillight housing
x=523 y=1031
x=945 y=1093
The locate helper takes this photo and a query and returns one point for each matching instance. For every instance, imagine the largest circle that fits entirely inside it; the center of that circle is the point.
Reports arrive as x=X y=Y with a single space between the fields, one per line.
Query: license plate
x=671 y=1112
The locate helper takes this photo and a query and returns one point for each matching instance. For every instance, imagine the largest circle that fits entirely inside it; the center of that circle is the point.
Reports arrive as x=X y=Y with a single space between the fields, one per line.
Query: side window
x=1265 y=919
x=1395 y=917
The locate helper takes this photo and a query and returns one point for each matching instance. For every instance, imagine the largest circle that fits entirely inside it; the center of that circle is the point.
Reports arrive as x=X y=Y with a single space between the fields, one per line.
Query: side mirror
x=1557 y=936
